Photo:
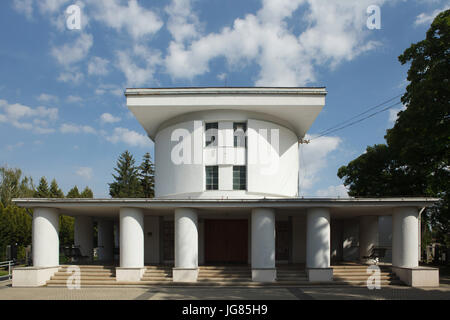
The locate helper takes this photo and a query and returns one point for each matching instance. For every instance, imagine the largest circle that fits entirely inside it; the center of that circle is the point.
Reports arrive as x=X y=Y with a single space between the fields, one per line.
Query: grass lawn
x=3 y=273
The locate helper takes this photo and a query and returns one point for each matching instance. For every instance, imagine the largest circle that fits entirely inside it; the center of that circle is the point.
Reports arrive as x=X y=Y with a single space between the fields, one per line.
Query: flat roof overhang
x=342 y=207
x=296 y=108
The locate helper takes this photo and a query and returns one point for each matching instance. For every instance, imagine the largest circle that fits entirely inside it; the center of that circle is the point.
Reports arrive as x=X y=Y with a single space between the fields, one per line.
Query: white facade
x=221 y=200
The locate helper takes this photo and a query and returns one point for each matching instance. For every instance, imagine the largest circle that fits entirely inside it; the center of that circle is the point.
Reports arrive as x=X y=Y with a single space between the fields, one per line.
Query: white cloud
x=142 y=74
x=314 y=157
x=73 y=51
x=44 y=97
x=85 y=172
x=27 y=118
x=393 y=114
x=428 y=17
x=98 y=66
x=110 y=89
x=135 y=19
x=24 y=7
x=74 y=99
x=109 y=118
x=183 y=24
x=74 y=128
x=18 y=145
x=339 y=191
x=335 y=31
x=73 y=77
x=129 y=137
x=51 y=6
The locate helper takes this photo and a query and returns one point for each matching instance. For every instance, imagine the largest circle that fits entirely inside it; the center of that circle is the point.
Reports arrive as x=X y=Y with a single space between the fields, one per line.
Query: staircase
x=154 y=275
x=291 y=275
x=224 y=275
x=357 y=275
x=90 y=275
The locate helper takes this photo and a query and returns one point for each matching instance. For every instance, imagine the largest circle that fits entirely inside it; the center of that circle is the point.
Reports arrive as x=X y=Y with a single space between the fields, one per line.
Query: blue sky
x=62 y=109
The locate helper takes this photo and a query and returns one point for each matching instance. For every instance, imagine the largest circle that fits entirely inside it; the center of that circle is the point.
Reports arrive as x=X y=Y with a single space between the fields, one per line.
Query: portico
x=142 y=236
x=227 y=192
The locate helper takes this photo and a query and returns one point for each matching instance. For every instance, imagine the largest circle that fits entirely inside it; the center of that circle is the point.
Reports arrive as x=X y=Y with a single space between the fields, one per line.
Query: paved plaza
x=228 y=293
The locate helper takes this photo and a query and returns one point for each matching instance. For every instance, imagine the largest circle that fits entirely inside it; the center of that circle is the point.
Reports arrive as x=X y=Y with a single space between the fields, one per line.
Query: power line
x=324 y=132
x=357 y=121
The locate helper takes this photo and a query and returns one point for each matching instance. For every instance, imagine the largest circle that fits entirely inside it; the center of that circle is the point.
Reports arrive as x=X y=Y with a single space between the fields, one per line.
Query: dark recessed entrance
x=226 y=241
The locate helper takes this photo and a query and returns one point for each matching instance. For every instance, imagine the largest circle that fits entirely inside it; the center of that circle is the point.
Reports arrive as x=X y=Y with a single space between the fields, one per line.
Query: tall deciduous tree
x=127 y=183
x=415 y=160
x=147 y=176
x=13 y=185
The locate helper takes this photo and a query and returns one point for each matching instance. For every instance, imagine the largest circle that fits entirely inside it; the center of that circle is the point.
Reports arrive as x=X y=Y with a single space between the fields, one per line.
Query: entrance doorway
x=226 y=241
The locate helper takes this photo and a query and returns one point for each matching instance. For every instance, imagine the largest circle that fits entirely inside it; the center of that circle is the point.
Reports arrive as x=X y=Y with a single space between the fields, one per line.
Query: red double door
x=226 y=241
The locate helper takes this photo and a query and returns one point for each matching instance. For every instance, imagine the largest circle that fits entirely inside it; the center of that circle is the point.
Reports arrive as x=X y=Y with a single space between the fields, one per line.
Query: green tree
x=13 y=185
x=87 y=193
x=126 y=184
x=42 y=190
x=415 y=160
x=73 y=193
x=66 y=230
x=55 y=191
x=147 y=176
x=15 y=228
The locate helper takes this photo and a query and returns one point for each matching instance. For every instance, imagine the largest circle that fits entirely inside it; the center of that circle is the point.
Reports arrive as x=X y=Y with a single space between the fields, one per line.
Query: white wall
x=279 y=176
x=186 y=180
x=169 y=177
x=151 y=242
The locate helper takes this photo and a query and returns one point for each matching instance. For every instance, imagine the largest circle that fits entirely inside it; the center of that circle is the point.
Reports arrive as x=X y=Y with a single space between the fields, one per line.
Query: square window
x=239 y=178
x=211 y=134
x=239 y=135
x=212 y=177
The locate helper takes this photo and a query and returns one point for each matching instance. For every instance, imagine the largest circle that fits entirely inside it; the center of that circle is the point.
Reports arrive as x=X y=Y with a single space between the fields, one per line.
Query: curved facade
x=262 y=162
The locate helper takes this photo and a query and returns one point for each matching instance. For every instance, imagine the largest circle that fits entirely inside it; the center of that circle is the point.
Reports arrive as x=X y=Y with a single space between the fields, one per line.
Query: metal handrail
x=8 y=264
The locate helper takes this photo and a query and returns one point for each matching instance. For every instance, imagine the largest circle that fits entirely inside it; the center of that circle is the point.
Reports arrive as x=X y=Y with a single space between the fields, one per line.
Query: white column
x=84 y=235
x=318 y=245
x=186 y=245
x=131 y=245
x=131 y=238
x=45 y=237
x=105 y=240
x=405 y=237
x=368 y=235
x=263 y=245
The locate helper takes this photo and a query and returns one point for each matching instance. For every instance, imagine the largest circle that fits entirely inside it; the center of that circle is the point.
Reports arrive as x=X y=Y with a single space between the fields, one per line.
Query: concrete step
x=158 y=273
x=89 y=274
x=231 y=278
x=82 y=282
x=224 y=268
x=361 y=278
x=83 y=279
x=88 y=267
x=144 y=279
x=358 y=273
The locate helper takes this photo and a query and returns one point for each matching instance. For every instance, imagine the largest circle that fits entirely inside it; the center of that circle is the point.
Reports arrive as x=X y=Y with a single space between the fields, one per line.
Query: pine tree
x=55 y=191
x=73 y=193
x=87 y=193
x=42 y=190
x=147 y=176
x=126 y=184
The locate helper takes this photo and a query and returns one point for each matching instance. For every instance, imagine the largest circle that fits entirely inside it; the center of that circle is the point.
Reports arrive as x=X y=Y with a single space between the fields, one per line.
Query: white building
x=227 y=180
